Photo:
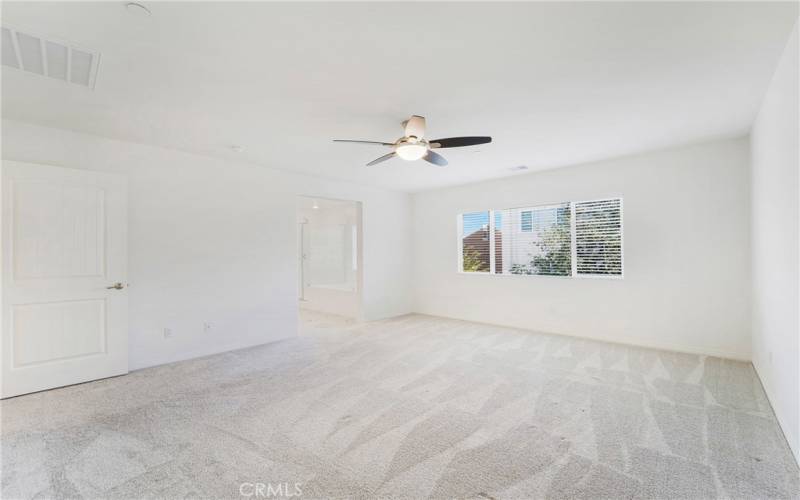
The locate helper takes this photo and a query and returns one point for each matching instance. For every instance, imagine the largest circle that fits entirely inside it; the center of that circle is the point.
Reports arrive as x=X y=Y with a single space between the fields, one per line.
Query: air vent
x=47 y=57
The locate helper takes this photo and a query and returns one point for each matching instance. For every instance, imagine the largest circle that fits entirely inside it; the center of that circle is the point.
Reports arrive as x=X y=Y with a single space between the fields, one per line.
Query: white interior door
x=64 y=244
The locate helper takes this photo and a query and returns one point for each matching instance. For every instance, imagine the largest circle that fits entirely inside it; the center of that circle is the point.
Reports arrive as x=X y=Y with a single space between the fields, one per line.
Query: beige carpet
x=413 y=407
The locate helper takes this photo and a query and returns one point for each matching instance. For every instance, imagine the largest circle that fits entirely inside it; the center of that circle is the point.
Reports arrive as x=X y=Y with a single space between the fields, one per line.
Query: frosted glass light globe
x=411 y=152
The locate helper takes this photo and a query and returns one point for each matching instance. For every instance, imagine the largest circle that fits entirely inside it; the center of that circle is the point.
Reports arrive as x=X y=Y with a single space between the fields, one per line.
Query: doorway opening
x=329 y=262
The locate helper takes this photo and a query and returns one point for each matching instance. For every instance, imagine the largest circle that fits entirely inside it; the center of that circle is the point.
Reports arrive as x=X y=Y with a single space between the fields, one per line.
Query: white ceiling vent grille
x=48 y=57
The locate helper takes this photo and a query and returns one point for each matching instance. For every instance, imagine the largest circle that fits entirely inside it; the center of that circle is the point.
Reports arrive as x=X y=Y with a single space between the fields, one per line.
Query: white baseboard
x=790 y=436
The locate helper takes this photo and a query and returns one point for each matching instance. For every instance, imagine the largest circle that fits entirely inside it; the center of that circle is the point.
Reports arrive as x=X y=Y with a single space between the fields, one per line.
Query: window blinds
x=598 y=237
x=567 y=239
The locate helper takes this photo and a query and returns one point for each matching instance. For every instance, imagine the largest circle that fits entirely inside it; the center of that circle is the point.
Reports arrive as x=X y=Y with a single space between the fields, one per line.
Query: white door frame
x=359 y=248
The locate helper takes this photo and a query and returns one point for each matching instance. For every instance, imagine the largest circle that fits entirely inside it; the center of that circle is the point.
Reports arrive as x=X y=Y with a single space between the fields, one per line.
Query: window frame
x=460 y=241
x=573 y=241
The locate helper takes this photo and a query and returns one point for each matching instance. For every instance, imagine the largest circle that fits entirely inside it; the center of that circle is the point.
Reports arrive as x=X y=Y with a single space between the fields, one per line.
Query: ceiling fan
x=413 y=145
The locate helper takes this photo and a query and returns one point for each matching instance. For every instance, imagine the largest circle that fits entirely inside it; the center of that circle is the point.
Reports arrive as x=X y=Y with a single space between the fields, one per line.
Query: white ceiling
x=554 y=83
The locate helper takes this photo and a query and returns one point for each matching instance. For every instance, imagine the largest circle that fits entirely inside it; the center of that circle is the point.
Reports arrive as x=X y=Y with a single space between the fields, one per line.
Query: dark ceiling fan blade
x=457 y=142
x=365 y=142
x=435 y=158
x=382 y=158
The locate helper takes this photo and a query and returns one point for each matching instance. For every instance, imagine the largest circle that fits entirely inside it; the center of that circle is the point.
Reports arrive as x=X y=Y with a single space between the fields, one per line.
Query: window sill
x=582 y=276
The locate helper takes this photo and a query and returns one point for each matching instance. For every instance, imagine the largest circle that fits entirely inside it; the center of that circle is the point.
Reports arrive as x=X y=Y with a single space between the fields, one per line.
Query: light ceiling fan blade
x=435 y=158
x=364 y=142
x=415 y=126
x=457 y=142
x=382 y=158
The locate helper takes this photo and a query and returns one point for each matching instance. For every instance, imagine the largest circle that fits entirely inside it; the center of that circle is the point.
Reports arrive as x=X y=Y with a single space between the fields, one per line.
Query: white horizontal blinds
x=533 y=240
x=598 y=237
x=475 y=250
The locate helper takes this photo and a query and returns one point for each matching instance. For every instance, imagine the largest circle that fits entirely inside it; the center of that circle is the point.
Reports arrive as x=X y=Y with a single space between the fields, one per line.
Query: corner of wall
x=775 y=243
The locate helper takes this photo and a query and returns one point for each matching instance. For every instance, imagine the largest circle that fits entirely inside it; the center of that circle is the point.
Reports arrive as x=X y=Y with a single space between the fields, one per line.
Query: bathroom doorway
x=329 y=261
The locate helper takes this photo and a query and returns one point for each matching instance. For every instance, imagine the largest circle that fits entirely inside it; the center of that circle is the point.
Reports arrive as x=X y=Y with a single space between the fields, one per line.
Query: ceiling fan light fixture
x=411 y=151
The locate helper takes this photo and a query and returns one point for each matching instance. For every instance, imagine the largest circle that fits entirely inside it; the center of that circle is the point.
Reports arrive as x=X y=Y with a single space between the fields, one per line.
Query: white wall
x=776 y=244
x=215 y=240
x=687 y=280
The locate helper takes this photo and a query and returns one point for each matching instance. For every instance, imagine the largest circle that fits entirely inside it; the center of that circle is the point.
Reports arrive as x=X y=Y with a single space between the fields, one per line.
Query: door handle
x=116 y=286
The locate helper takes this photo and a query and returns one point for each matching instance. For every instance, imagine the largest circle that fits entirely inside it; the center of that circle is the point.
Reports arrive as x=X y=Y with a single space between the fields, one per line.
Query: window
x=475 y=248
x=598 y=237
x=566 y=239
x=538 y=244
x=526 y=221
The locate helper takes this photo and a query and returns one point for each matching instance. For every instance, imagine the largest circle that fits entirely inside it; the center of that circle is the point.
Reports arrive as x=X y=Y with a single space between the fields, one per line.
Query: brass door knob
x=116 y=286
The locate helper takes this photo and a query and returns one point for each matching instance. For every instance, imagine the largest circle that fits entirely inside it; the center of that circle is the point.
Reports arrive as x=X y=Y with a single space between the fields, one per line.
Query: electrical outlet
x=167 y=333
